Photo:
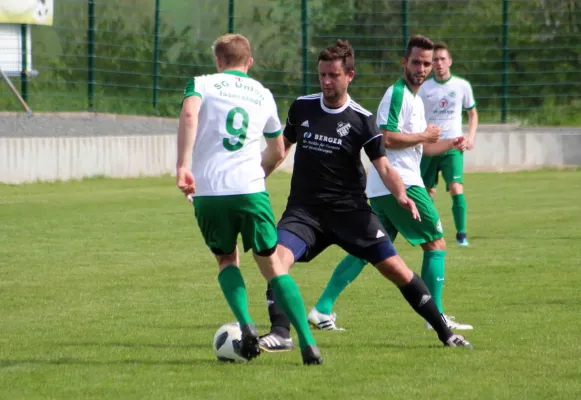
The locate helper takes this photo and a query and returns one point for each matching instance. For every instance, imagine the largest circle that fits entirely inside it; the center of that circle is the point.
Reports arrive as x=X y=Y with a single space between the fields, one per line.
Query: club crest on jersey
x=343 y=128
x=452 y=94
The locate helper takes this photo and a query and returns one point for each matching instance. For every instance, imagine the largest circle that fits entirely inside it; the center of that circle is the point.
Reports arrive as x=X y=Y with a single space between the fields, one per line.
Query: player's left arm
x=469 y=104
x=274 y=153
x=472 y=127
x=188 y=125
x=391 y=179
x=277 y=155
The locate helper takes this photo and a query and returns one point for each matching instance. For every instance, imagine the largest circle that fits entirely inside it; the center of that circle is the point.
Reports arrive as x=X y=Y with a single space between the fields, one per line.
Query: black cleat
x=311 y=355
x=249 y=344
x=458 y=341
x=274 y=343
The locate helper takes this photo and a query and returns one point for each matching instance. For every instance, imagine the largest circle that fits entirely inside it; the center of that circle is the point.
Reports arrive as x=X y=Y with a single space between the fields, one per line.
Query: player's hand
x=409 y=204
x=469 y=144
x=185 y=182
x=459 y=143
x=432 y=133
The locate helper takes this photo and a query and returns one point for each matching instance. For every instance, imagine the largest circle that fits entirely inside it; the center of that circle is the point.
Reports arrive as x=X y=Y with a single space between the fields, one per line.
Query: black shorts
x=357 y=232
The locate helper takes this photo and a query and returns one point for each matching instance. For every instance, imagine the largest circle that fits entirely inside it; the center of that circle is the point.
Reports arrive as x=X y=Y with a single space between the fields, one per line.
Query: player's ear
x=250 y=62
x=404 y=61
x=351 y=75
x=218 y=64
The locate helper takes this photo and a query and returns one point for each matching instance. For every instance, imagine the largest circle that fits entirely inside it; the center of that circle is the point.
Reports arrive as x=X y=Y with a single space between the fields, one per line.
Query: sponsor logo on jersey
x=343 y=128
x=327 y=139
x=308 y=135
x=443 y=103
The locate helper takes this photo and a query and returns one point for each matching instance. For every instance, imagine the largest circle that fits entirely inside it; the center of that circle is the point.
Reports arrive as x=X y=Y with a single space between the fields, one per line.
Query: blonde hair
x=232 y=49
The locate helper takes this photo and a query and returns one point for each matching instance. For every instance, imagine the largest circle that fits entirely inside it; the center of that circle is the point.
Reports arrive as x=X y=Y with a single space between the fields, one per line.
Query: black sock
x=417 y=294
x=279 y=323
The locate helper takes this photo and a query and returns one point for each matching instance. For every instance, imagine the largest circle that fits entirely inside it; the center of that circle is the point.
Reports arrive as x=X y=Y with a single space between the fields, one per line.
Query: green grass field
x=108 y=292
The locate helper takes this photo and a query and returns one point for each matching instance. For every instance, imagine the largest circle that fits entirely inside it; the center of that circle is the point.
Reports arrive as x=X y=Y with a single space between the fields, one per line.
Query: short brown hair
x=442 y=46
x=419 y=41
x=232 y=49
x=341 y=51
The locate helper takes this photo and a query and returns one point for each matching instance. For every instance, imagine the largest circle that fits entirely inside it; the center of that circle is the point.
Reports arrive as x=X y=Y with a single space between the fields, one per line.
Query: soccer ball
x=227 y=343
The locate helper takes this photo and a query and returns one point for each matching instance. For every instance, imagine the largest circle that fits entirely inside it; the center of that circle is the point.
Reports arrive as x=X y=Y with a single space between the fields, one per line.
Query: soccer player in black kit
x=327 y=202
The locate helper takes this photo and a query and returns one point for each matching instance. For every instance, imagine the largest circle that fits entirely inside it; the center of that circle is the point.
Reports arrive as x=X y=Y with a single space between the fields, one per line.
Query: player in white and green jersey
x=407 y=136
x=445 y=97
x=221 y=169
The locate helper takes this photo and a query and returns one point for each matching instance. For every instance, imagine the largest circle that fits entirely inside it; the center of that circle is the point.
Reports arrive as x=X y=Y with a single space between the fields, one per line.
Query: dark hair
x=341 y=51
x=419 y=41
x=442 y=46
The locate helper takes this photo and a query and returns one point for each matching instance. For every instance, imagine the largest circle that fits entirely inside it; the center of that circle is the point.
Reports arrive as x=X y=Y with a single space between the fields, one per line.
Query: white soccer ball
x=227 y=343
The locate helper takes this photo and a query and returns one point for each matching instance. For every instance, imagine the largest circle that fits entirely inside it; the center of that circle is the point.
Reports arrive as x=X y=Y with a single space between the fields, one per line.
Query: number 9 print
x=240 y=133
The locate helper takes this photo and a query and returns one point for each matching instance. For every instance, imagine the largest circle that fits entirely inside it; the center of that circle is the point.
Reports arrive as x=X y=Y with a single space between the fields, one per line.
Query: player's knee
x=224 y=259
x=381 y=251
x=438 y=244
x=290 y=246
x=455 y=188
x=266 y=253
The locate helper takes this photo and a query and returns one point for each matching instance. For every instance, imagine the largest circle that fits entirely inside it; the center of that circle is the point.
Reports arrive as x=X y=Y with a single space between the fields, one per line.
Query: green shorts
x=451 y=163
x=396 y=219
x=222 y=218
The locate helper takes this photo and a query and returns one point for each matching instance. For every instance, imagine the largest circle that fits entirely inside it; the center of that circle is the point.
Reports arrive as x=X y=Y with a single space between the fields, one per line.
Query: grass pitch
x=108 y=292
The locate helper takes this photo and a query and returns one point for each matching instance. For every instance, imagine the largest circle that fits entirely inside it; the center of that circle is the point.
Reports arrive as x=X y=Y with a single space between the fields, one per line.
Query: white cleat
x=453 y=324
x=323 y=322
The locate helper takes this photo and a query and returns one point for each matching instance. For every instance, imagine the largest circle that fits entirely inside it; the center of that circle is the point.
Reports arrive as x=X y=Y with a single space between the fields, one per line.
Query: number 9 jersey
x=236 y=112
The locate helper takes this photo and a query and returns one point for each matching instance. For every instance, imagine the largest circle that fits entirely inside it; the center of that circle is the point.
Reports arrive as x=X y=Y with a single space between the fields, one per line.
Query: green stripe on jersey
x=470 y=108
x=272 y=135
x=395 y=106
x=190 y=89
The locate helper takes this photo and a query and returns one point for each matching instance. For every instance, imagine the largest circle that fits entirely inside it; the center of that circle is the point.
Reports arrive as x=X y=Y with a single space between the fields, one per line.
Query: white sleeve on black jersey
x=290 y=131
x=372 y=139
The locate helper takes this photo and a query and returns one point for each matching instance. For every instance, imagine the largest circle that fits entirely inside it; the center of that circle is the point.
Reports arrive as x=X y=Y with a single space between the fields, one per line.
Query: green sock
x=433 y=275
x=234 y=290
x=345 y=273
x=459 y=212
x=290 y=301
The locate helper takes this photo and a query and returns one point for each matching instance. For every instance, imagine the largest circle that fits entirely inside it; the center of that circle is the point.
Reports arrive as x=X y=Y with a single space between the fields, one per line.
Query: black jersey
x=327 y=168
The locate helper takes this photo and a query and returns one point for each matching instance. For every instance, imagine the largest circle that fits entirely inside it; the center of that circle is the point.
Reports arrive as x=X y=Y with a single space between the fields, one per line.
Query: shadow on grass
x=187 y=362
x=73 y=361
x=138 y=345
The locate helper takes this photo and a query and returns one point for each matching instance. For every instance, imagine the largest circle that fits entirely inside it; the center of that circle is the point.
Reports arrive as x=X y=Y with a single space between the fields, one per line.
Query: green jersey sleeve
x=272 y=127
x=389 y=111
x=194 y=87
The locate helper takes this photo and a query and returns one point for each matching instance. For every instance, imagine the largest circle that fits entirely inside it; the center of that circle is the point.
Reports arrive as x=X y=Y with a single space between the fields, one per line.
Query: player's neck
x=414 y=88
x=336 y=103
x=238 y=69
x=444 y=78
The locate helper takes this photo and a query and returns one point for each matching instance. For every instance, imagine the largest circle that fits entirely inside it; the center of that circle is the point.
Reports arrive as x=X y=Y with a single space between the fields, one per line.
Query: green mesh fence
x=523 y=57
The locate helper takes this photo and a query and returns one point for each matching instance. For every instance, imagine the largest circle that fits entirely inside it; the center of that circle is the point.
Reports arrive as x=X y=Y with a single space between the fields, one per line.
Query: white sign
x=36 y=12
x=11 y=50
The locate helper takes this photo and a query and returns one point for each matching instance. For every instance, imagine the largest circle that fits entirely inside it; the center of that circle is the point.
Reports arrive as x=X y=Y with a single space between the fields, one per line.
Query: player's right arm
x=398 y=140
x=390 y=120
x=442 y=146
x=188 y=125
